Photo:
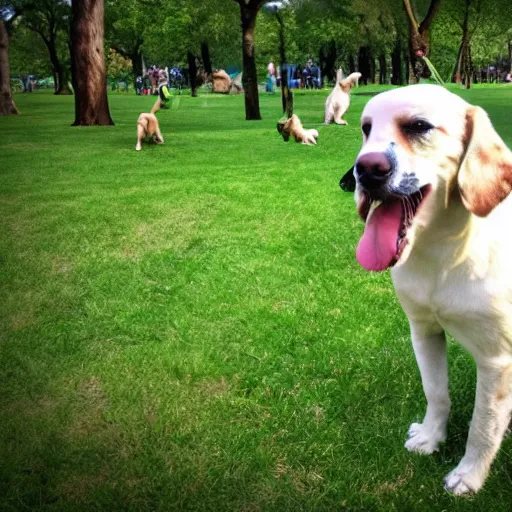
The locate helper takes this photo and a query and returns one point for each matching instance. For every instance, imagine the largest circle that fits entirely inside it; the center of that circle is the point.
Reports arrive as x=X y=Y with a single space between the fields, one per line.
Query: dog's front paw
x=422 y=439
x=465 y=479
x=138 y=147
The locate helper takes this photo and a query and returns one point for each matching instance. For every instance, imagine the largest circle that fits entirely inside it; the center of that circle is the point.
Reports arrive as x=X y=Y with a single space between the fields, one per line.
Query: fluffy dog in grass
x=293 y=127
x=148 y=127
x=338 y=101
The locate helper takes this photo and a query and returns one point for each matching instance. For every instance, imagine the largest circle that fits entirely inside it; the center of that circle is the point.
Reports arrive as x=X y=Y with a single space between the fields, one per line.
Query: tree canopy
x=346 y=33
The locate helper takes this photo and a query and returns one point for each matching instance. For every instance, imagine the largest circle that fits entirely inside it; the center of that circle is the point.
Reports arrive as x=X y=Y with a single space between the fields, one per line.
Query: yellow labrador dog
x=432 y=184
x=337 y=103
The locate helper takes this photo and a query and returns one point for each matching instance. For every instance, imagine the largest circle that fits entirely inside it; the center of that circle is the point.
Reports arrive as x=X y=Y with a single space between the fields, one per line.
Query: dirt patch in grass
x=24 y=314
x=173 y=231
x=393 y=486
x=89 y=415
x=78 y=487
x=214 y=387
x=23 y=319
x=61 y=266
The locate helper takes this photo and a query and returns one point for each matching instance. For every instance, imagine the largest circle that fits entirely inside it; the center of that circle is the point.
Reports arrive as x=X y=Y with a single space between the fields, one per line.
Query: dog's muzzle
x=374 y=170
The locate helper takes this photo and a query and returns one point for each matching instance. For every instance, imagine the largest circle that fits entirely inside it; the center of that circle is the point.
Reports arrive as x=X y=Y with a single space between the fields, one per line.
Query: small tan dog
x=338 y=101
x=293 y=126
x=148 y=127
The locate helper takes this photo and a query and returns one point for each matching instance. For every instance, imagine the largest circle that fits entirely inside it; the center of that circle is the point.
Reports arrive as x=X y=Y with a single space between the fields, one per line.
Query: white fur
x=309 y=136
x=455 y=274
x=338 y=101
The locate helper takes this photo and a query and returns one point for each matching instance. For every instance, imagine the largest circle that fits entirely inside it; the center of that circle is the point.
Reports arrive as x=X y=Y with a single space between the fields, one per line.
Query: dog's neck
x=345 y=87
x=445 y=235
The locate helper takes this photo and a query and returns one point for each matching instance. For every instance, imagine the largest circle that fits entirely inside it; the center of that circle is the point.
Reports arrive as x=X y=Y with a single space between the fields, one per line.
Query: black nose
x=373 y=170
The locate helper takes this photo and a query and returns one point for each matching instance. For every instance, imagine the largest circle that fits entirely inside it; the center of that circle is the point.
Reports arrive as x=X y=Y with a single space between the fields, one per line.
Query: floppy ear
x=348 y=182
x=485 y=174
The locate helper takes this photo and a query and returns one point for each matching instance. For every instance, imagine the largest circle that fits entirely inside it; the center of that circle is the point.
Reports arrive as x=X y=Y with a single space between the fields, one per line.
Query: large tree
x=419 y=37
x=88 y=63
x=50 y=20
x=7 y=106
x=248 y=13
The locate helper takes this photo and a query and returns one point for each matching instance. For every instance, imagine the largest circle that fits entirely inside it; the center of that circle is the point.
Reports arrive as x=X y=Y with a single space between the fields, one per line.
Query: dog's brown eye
x=367 y=128
x=419 y=127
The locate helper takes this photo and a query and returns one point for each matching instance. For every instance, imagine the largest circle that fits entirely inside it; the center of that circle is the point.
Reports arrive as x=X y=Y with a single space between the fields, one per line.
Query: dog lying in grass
x=148 y=127
x=293 y=127
x=338 y=101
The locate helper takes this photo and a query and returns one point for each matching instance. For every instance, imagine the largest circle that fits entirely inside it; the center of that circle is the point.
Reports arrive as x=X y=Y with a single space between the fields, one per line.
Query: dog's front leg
x=430 y=351
x=141 y=132
x=491 y=417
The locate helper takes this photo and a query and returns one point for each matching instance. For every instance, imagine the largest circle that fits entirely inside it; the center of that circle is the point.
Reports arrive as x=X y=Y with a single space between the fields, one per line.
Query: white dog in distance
x=338 y=101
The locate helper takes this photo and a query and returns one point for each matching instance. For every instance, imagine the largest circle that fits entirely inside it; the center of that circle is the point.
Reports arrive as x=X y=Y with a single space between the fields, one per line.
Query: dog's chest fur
x=474 y=307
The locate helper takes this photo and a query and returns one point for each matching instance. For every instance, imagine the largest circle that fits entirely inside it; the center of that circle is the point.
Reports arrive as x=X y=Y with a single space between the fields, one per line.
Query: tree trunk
x=467 y=65
x=419 y=46
x=192 y=73
x=205 y=55
x=465 y=53
x=88 y=63
x=383 y=69
x=419 y=38
x=59 y=70
x=364 y=64
x=458 y=71
x=55 y=80
x=248 y=14
x=396 y=64
x=351 y=64
x=136 y=58
x=510 y=55
x=7 y=106
x=59 y=81
x=407 y=66
x=286 y=93
x=63 y=81
x=328 y=60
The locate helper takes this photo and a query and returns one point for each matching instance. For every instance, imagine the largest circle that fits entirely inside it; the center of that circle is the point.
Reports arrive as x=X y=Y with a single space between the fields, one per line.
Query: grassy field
x=187 y=329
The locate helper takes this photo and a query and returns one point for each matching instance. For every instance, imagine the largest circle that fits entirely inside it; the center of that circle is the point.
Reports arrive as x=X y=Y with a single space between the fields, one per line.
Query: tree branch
x=37 y=31
x=410 y=14
x=120 y=50
x=429 y=18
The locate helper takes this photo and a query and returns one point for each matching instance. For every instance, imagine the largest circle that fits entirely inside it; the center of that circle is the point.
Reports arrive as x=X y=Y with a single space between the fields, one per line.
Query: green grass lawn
x=186 y=328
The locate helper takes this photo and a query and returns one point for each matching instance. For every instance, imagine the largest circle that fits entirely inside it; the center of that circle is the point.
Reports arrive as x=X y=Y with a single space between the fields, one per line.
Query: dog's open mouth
x=387 y=222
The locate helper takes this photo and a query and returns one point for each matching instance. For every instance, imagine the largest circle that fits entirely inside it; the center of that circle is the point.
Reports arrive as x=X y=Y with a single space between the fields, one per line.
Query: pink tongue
x=377 y=247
